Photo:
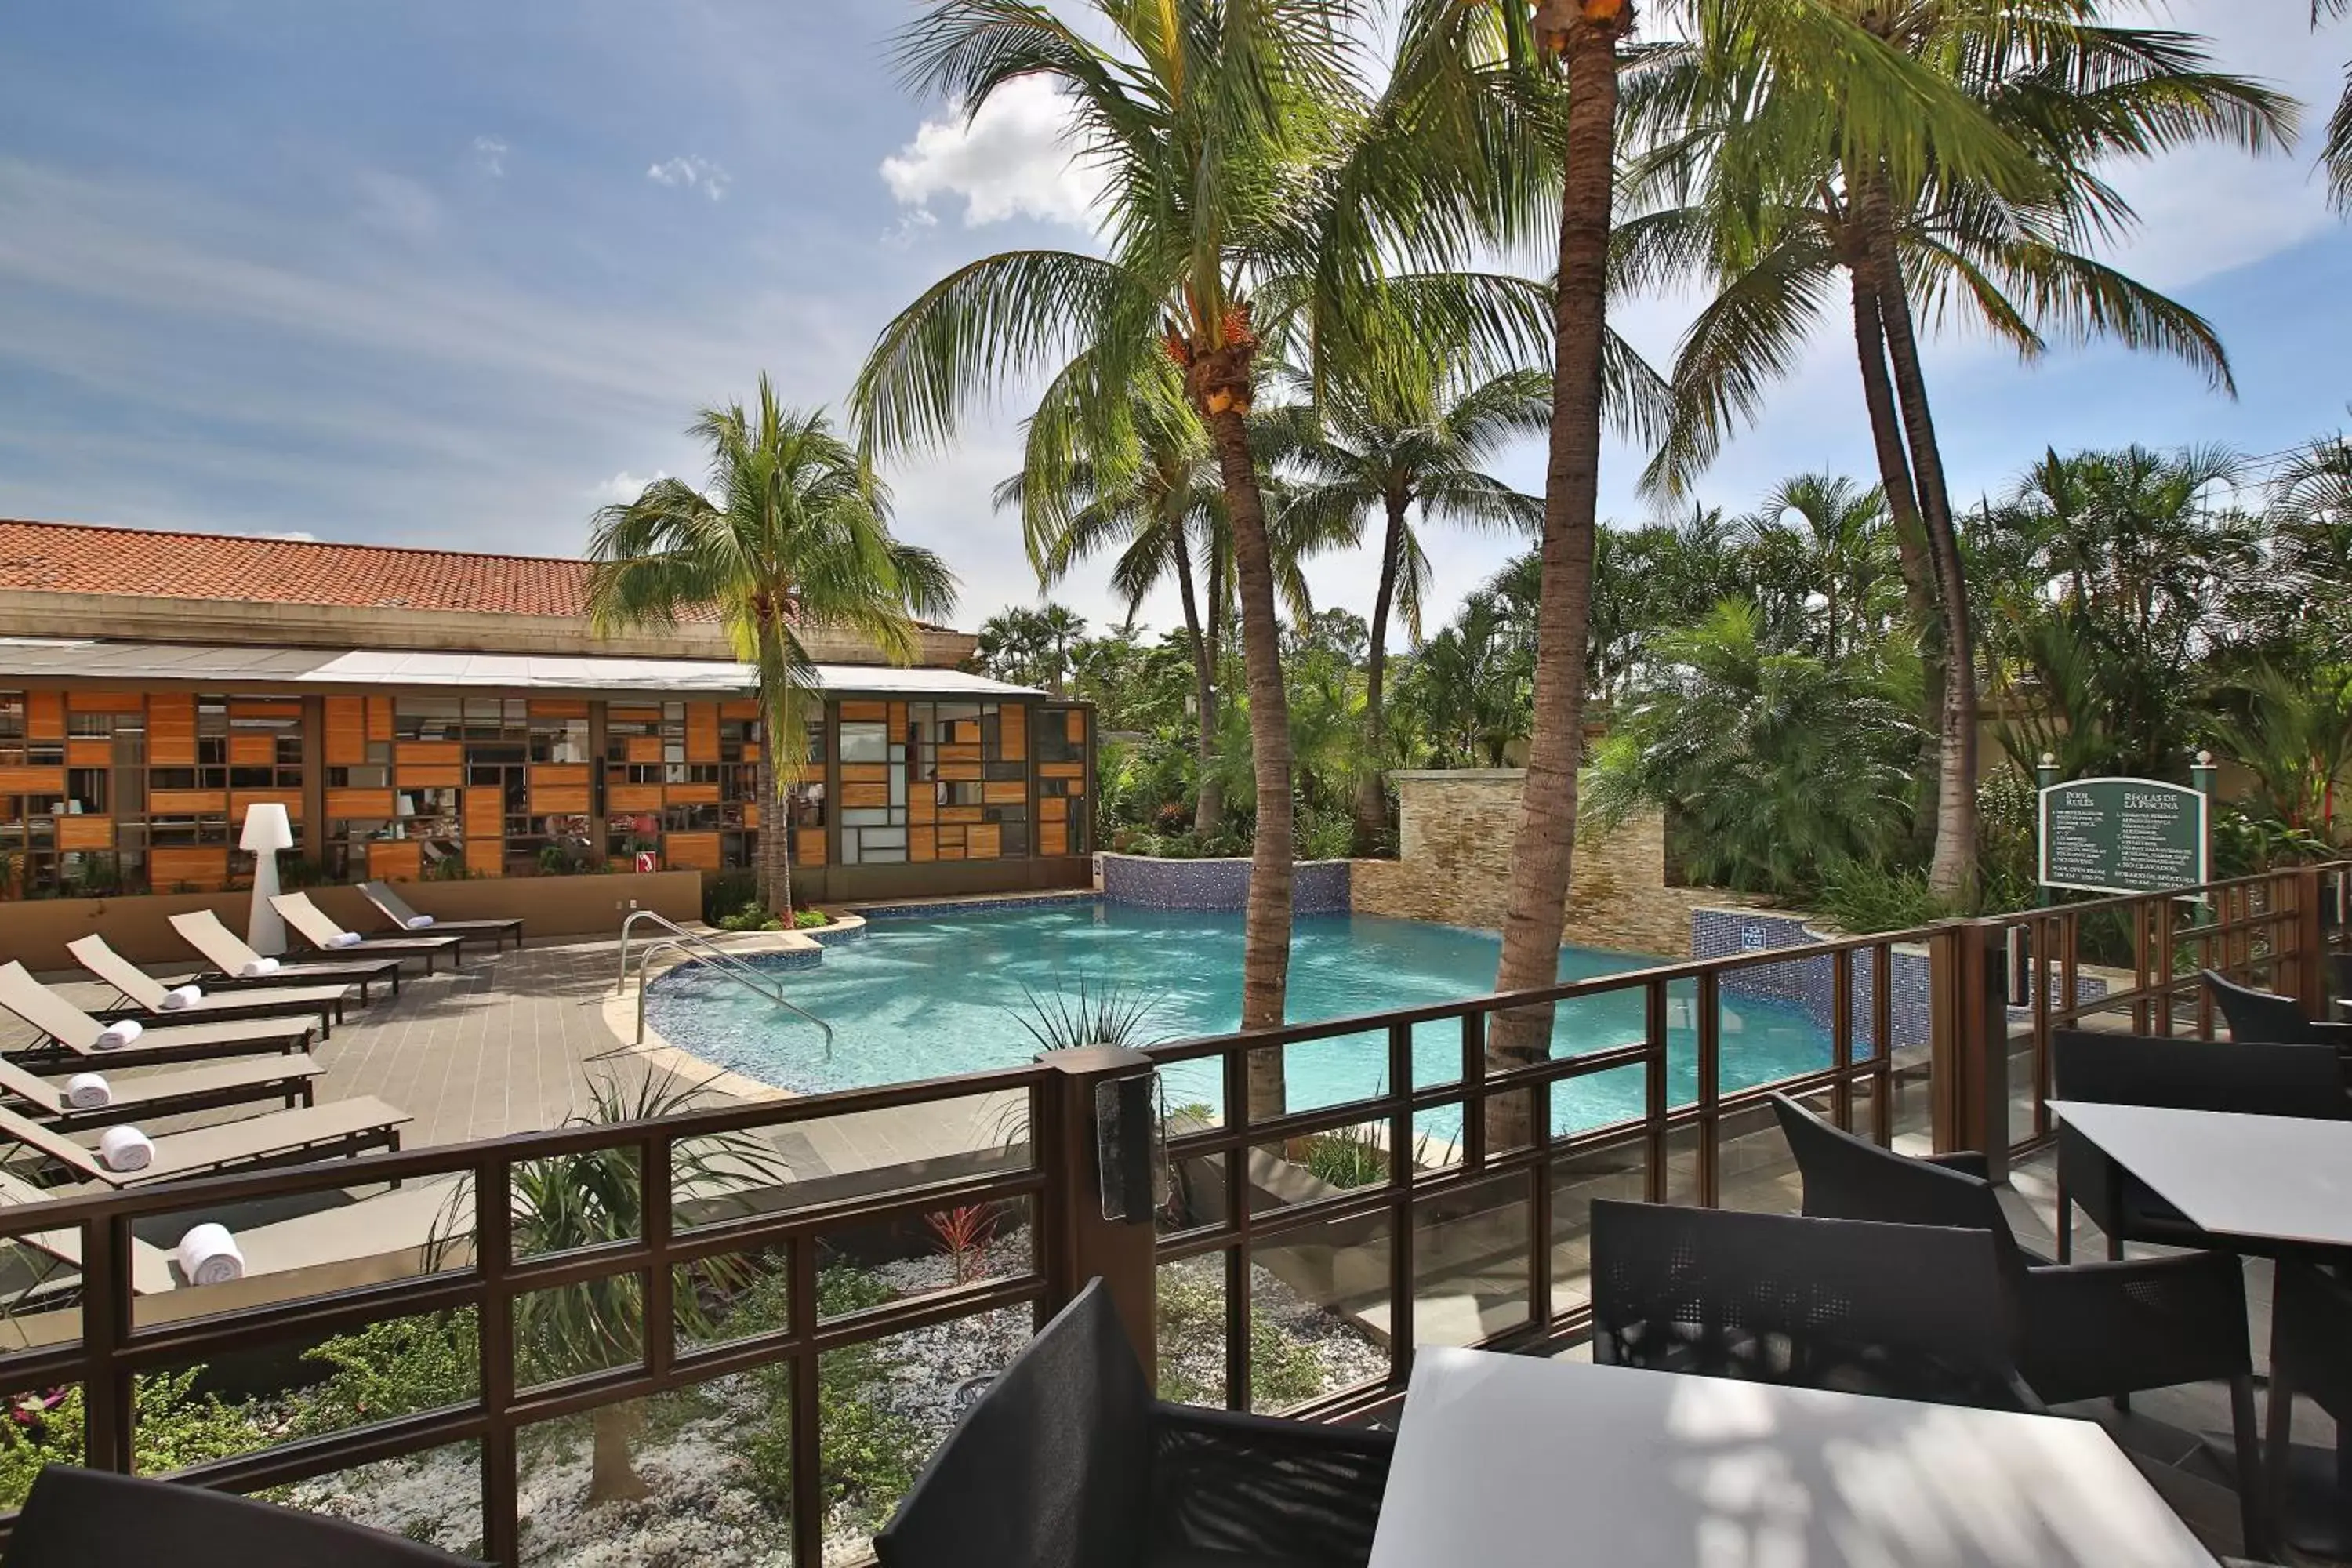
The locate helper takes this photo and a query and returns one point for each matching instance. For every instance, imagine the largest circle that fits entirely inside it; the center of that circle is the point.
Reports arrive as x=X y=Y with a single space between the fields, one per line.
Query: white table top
x=2285 y=1178
x=1514 y=1462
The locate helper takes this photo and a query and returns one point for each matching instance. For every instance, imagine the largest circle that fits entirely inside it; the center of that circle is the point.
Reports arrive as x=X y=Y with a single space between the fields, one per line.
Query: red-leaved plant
x=963 y=1236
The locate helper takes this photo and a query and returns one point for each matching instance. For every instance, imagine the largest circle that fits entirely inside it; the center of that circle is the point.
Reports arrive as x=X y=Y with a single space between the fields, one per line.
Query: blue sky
x=453 y=274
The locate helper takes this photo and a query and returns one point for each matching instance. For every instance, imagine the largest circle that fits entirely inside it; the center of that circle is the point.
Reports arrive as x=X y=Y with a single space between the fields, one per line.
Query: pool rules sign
x=2123 y=836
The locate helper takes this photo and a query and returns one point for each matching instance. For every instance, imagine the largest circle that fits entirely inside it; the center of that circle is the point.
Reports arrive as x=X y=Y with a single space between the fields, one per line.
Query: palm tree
x=1060 y=627
x=790 y=529
x=1229 y=138
x=1528 y=110
x=2336 y=155
x=1844 y=523
x=1384 y=443
x=1759 y=183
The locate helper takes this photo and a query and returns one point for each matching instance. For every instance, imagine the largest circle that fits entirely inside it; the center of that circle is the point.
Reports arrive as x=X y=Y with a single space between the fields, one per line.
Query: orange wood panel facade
x=417 y=806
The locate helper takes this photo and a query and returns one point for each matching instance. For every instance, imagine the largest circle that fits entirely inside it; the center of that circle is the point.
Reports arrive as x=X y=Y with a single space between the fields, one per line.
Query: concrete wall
x=36 y=932
x=1318 y=886
x=1454 y=866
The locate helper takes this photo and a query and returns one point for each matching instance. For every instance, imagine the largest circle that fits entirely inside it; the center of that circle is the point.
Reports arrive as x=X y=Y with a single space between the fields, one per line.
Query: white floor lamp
x=266 y=831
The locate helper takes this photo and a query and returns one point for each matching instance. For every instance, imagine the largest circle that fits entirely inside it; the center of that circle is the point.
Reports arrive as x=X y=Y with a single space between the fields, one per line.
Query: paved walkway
x=501 y=1045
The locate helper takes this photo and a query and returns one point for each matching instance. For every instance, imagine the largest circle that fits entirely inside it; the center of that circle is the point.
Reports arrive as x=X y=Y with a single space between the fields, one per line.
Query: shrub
x=871 y=1451
x=391 y=1369
x=724 y=892
x=1192 y=1313
x=1863 y=898
x=1324 y=834
x=175 y=1426
x=809 y=919
x=750 y=917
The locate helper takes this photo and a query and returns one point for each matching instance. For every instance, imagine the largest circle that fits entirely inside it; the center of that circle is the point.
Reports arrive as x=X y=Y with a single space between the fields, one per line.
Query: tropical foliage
x=790 y=531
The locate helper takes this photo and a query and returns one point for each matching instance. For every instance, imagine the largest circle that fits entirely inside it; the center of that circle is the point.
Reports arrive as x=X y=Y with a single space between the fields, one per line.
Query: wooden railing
x=1428 y=1199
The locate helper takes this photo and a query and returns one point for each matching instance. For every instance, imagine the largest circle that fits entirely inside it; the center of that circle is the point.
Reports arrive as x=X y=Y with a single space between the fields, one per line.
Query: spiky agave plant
x=568 y=1202
x=1111 y=1017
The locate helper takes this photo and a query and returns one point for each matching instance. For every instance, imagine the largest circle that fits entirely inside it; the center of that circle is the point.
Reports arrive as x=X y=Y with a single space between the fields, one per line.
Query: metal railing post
x=2310 y=979
x=1967 y=988
x=1100 y=1234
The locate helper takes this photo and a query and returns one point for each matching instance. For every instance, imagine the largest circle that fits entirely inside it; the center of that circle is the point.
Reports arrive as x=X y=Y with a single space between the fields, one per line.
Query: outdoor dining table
x=2264 y=1178
x=1516 y=1462
x=2268 y=1178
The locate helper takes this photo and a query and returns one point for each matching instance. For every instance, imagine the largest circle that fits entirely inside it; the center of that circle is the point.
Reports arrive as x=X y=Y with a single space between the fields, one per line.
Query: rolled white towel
x=258 y=968
x=180 y=996
x=344 y=939
x=208 y=1256
x=115 y=1036
x=89 y=1091
x=419 y=923
x=125 y=1149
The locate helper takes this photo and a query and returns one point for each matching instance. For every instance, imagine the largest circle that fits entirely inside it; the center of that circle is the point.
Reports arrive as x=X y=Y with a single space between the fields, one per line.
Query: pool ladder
x=683 y=942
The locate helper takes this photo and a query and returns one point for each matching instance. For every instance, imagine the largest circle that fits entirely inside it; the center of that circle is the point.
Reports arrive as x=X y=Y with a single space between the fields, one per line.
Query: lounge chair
x=236 y=967
x=148 y=997
x=301 y=1137
x=66 y=1028
x=391 y=1236
x=174 y=1091
x=312 y=924
x=405 y=918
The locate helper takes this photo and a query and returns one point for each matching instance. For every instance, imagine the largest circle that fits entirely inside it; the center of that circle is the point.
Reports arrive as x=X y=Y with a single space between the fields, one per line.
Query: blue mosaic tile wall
x=1317 y=888
x=1811 y=984
x=968 y=906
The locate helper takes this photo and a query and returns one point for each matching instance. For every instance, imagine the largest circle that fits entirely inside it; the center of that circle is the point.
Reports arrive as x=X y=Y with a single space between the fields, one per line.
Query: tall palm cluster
x=1326 y=289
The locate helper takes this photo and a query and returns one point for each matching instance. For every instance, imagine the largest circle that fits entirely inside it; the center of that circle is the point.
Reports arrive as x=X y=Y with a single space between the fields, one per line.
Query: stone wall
x=1454 y=867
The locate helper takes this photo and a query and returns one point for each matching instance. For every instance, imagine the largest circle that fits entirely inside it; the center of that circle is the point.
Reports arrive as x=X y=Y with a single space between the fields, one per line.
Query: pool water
x=924 y=997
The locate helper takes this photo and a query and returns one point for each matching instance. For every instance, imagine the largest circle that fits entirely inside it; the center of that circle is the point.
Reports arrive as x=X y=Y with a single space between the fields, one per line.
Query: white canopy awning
x=293 y=667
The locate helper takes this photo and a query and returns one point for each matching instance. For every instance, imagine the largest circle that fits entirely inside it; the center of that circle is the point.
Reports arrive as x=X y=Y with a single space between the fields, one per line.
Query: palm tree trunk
x=1372 y=793
x=1543 y=852
x=1951 y=872
x=1910 y=537
x=772 y=858
x=1209 y=799
x=1265 y=925
x=613 y=1472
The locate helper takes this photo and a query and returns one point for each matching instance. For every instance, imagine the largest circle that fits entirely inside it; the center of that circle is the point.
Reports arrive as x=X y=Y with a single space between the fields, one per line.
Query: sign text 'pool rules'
x=2123 y=836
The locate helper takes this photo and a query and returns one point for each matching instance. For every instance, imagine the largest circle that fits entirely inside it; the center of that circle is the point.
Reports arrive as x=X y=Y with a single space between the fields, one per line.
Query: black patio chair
x=1068 y=1462
x=2311 y=1358
x=2251 y=1079
x=2265 y=1017
x=2086 y=1331
x=79 y=1519
x=1907 y=1312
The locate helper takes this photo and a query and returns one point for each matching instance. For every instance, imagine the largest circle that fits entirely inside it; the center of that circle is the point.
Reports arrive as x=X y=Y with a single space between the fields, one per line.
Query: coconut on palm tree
x=791 y=529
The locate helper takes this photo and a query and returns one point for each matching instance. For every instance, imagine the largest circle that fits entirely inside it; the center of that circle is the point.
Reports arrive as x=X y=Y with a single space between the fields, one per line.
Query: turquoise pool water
x=923 y=997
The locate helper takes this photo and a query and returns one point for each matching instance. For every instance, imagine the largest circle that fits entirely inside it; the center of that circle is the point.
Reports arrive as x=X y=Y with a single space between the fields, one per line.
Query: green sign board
x=2122 y=836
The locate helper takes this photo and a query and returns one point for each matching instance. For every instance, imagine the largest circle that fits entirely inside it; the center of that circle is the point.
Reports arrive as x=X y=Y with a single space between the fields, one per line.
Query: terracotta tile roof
x=72 y=558
x=87 y=558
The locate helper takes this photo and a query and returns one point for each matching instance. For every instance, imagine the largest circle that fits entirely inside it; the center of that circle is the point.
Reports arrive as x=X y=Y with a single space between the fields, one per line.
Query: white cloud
x=490 y=156
x=624 y=487
x=692 y=174
x=1014 y=159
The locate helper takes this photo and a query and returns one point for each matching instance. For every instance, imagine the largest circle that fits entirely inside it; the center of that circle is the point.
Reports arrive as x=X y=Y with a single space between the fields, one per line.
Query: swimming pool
x=926 y=996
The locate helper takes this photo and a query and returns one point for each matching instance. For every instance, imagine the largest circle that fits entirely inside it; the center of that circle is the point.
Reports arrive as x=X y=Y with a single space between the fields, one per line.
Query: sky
x=454 y=275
